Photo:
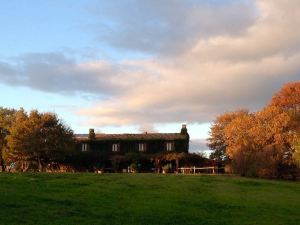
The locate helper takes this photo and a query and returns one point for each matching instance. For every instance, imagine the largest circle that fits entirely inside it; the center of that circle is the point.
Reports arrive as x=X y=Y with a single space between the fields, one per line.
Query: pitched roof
x=144 y=136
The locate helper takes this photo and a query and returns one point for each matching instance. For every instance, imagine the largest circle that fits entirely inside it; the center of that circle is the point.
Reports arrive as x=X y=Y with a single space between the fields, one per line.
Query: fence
x=211 y=169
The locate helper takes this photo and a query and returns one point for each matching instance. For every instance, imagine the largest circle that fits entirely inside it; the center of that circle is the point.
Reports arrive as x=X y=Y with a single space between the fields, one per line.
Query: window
x=170 y=146
x=142 y=147
x=84 y=147
x=116 y=147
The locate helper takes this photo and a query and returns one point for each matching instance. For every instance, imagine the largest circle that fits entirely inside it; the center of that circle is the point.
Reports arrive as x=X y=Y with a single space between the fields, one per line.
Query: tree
x=7 y=116
x=276 y=128
x=265 y=143
x=217 y=141
x=54 y=139
x=288 y=99
x=241 y=149
x=176 y=157
x=38 y=137
x=16 y=145
x=297 y=153
x=259 y=143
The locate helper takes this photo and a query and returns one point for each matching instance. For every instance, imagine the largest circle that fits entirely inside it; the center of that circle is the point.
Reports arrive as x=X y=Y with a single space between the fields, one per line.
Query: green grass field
x=146 y=199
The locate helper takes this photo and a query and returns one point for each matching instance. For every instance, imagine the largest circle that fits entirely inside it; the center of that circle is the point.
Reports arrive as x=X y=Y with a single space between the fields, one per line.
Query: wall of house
x=127 y=146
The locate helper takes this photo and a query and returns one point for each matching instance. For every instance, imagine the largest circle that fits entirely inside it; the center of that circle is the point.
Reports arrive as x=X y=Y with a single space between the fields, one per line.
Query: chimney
x=183 y=129
x=92 y=134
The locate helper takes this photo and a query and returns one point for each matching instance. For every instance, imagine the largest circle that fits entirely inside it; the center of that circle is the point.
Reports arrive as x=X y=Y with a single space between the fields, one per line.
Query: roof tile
x=144 y=136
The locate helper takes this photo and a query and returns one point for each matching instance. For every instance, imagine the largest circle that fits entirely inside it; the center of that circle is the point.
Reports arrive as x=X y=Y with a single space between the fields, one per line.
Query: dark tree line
x=35 y=141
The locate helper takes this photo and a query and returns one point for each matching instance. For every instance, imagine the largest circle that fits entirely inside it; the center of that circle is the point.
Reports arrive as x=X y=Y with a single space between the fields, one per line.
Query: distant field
x=146 y=199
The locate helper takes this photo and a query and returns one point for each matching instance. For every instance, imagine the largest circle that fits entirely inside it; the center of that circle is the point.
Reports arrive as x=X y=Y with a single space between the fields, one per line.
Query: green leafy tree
x=17 y=140
x=38 y=137
x=54 y=140
x=7 y=116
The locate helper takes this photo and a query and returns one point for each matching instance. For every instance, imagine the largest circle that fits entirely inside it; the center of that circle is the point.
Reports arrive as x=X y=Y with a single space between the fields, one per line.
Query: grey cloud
x=8 y=73
x=54 y=72
x=170 y=26
x=197 y=145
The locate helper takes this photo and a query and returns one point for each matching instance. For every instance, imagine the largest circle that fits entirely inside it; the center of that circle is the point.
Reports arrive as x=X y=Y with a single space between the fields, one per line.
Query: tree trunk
x=3 y=167
x=22 y=166
x=157 y=161
x=2 y=163
x=40 y=165
x=26 y=166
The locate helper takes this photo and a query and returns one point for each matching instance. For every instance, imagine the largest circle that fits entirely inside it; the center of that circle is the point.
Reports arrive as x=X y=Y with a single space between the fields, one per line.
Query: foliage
x=117 y=161
x=261 y=143
x=163 y=160
x=134 y=167
x=7 y=116
x=37 y=138
x=167 y=168
x=17 y=146
x=297 y=152
x=288 y=97
x=217 y=140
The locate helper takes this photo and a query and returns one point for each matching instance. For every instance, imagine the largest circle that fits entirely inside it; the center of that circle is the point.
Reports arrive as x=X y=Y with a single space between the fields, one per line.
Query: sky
x=129 y=66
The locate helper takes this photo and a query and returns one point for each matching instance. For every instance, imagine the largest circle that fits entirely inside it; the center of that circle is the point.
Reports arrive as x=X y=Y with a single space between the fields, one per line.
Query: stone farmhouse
x=125 y=143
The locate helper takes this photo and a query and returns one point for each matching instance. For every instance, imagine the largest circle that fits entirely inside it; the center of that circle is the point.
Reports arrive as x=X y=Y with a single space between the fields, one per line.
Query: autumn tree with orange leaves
x=288 y=99
x=217 y=140
x=265 y=143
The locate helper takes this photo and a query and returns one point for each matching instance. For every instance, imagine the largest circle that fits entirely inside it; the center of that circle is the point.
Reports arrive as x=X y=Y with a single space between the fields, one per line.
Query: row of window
x=142 y=147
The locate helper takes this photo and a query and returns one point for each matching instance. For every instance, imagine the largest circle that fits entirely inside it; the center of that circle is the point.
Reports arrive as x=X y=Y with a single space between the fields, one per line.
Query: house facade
x=121 y=144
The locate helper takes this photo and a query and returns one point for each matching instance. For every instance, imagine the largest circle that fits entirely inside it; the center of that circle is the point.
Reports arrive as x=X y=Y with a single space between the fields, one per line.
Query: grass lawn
x=146 y=199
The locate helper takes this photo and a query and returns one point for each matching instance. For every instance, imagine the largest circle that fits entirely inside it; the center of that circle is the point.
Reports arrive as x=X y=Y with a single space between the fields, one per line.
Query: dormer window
x=84 y=147
x=142 y=147
x=170 y=146
x=116 y=147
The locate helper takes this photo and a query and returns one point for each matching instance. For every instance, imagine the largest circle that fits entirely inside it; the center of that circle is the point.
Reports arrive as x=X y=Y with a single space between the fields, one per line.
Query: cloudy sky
x=146 y=65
